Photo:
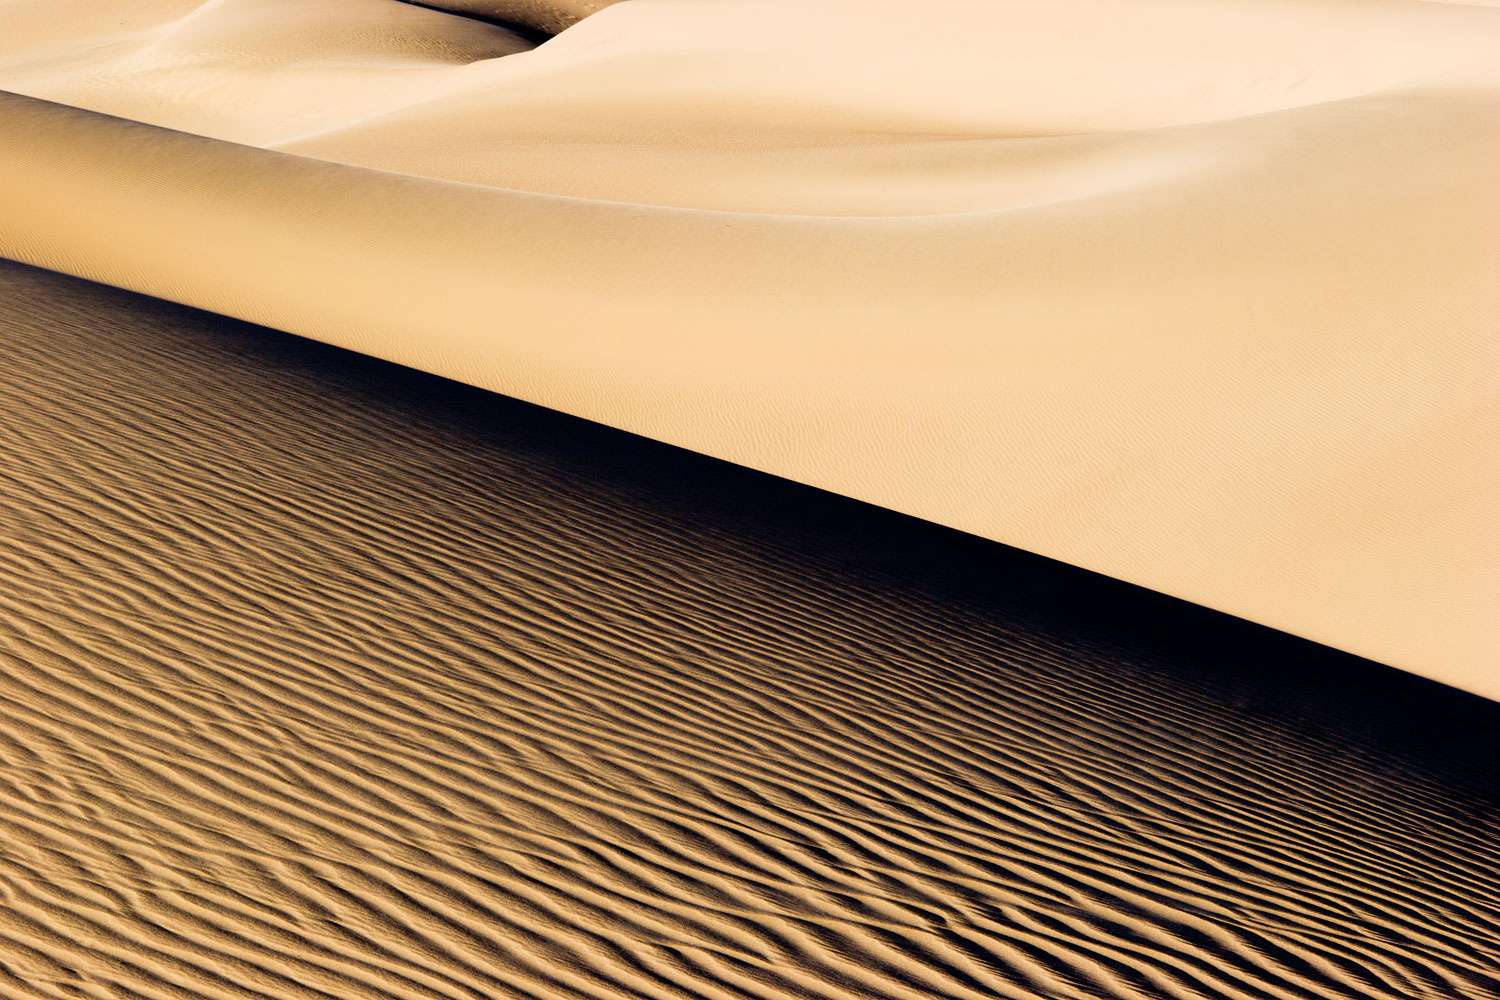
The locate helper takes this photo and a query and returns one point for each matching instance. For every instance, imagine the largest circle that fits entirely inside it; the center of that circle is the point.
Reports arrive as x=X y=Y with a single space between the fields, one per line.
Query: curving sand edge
x=1212 y=312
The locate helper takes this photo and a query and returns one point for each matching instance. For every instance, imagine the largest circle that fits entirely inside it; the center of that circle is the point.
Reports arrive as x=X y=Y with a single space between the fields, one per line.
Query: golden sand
x=320 y=678
x=1199 y=295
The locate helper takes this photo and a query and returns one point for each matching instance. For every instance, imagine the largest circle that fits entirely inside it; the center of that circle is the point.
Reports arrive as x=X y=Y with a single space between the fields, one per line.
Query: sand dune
x=1196 y=294
x=548 y=16
x=323 y=678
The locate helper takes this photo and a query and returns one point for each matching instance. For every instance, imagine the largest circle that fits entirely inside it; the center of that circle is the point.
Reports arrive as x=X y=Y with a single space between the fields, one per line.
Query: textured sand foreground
x=1196 y=294
x=324 y=678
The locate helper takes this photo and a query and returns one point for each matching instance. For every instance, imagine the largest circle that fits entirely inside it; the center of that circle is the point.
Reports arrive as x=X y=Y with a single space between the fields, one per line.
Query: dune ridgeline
x=1199 y=294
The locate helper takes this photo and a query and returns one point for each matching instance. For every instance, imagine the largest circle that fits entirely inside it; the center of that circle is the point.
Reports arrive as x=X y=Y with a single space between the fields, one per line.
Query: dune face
x=324 y=678
x=1195 y=293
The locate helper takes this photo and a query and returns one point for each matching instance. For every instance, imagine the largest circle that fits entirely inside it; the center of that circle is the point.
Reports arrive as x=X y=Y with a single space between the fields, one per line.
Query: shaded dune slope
x=323 y=678
x=546 y=17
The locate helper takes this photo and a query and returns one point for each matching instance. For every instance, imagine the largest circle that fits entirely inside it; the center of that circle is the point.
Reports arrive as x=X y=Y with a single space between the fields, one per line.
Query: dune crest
x=1196 y=294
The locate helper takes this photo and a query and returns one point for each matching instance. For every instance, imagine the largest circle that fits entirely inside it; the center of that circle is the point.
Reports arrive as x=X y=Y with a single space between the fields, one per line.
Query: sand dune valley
x=743 y=499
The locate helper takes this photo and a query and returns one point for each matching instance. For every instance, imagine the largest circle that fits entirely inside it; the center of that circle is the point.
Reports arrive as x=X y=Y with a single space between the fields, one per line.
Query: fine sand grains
x=322 y=678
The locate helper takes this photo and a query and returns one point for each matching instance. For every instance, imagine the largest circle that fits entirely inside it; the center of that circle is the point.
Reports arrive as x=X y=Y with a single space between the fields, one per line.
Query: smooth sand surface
x=1200 y=295
x=323 y=678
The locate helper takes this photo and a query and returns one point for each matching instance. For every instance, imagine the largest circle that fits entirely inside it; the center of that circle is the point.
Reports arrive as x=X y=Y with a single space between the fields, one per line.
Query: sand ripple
x=326 y=679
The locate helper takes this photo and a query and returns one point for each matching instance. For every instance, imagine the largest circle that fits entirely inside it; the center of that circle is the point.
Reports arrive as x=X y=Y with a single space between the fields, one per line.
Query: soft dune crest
x=1196 y=294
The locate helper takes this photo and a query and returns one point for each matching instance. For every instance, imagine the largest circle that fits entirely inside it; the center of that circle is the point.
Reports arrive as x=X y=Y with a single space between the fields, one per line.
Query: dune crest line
x=1197 y=295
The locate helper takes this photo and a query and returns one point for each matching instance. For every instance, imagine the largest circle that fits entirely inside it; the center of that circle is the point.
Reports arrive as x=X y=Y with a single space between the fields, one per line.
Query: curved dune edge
x=1194 y=294
x=1318 y=459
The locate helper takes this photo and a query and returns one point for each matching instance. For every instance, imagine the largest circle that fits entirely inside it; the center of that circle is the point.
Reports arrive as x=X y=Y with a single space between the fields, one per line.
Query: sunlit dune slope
x=1196 y=294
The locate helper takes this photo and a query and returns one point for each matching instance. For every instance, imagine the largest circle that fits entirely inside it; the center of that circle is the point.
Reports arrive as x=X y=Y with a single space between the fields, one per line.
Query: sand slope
x=1199 y=295
x=320 y=678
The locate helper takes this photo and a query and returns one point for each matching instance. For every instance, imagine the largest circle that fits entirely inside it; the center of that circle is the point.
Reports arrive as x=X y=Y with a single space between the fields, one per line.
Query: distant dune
x=322 y=678
x=1195 y=293
x=546 y=16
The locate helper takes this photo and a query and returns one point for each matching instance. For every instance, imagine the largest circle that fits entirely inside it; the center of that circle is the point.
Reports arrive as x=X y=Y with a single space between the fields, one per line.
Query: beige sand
x=1196 y=294
x=323 y=680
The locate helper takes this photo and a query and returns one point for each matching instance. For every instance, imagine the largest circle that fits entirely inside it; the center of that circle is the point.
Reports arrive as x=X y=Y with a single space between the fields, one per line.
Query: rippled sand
x=1195 y=293
x=324 y=678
